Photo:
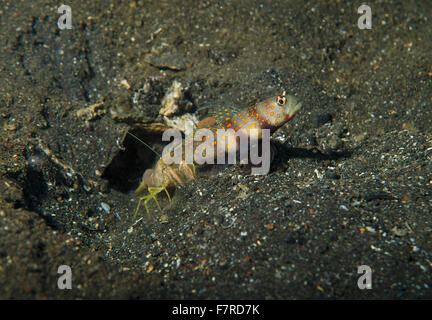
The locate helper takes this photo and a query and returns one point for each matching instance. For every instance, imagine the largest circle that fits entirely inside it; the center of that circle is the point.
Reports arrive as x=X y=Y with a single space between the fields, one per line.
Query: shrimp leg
x=153 y=191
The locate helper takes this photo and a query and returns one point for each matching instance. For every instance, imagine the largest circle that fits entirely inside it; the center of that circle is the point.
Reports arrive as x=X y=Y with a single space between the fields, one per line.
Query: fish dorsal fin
x=219 y=116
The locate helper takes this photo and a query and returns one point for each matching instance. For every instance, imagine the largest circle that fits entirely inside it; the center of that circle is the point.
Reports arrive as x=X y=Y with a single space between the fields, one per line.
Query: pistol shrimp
x=271 y=113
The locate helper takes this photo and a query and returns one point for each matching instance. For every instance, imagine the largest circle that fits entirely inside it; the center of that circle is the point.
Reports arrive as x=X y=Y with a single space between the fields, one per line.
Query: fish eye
x=281 y=100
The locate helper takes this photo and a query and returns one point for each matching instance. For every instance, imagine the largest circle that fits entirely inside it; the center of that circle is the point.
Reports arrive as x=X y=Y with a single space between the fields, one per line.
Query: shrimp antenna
x=134 y=136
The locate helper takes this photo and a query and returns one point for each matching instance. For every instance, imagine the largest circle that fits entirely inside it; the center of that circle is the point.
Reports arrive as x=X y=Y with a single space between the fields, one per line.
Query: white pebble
x=105 y=207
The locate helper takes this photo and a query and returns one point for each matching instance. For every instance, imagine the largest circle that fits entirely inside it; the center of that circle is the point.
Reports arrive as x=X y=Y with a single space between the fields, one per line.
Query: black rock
x=319 y=119
x=332 y=175
x=380 y=195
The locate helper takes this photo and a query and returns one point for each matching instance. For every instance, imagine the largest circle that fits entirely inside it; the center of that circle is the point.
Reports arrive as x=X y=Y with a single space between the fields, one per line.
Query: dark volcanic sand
x=351 y=184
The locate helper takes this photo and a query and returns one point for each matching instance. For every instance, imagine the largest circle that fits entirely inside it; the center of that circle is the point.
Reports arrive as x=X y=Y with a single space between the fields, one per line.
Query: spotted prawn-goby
x=271 y=113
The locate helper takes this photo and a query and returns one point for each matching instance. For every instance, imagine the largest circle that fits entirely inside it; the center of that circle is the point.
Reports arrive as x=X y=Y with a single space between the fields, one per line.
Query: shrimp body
x=271 y=113
x=160 y=178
